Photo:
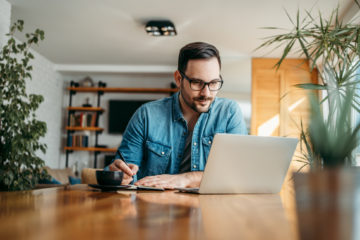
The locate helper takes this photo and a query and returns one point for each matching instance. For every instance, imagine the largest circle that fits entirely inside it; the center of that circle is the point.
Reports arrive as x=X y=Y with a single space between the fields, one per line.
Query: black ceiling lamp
x=160 y=28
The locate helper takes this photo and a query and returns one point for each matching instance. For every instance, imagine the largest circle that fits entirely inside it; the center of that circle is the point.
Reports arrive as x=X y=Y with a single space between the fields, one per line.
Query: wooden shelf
x=91 y=149
x=97 y=129
x=123 y=90
x=86 y=109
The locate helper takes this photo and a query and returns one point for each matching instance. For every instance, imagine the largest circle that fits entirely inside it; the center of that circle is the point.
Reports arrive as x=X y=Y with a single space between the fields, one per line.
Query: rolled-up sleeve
x=131 y=146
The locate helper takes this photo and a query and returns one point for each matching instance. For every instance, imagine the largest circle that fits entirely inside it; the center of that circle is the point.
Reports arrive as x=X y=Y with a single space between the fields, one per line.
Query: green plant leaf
x=20 y=132
x=311 y=86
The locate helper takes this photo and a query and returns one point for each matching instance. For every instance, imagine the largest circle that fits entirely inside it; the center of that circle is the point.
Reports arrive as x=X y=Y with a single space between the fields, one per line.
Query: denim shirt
x=155 y=136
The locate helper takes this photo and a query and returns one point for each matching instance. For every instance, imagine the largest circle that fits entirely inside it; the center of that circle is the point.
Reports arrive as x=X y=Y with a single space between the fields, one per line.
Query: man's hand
x=190 y=179
x=129 y=171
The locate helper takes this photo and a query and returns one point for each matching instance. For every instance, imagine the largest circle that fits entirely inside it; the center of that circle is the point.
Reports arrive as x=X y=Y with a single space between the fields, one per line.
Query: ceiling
x=111 y=32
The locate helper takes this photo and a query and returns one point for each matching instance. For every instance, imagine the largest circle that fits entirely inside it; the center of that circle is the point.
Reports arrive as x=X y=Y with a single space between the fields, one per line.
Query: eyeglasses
x=198 y=85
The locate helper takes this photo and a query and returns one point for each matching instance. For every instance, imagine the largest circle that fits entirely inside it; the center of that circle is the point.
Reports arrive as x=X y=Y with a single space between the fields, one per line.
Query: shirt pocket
x=158 y=158
x=207 y=142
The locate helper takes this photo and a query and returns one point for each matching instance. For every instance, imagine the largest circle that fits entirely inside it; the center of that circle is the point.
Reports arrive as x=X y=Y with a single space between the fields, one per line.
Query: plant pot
x=328 y=204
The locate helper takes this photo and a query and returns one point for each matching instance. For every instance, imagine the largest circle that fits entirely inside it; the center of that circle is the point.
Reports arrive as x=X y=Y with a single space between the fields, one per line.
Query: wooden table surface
x=81 y=212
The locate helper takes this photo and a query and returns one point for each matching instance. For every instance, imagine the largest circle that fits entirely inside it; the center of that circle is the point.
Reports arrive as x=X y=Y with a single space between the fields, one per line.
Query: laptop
x=246 y=164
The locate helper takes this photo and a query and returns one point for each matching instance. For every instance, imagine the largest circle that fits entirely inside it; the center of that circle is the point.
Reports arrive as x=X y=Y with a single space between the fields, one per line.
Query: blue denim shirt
x=155 y=136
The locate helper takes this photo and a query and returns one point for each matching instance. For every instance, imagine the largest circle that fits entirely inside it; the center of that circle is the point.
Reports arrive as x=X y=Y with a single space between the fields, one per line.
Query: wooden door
x=278 y=107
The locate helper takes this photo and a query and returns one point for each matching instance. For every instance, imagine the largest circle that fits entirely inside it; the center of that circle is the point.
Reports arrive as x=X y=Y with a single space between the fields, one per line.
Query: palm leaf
x=311 y=86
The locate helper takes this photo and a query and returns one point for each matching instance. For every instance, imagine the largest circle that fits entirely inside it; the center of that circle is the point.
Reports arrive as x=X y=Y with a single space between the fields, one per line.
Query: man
x=167 y=141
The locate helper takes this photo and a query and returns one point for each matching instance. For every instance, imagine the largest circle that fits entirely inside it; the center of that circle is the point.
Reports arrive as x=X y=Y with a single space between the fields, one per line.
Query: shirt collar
x=177 y=113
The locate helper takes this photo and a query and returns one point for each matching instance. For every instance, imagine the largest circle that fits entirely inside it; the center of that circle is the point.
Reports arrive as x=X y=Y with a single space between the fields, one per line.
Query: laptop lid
x=247 y=164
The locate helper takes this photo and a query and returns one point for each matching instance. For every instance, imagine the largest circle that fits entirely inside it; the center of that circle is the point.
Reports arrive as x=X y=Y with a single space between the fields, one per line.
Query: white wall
x=5 y=16
x=47 y=82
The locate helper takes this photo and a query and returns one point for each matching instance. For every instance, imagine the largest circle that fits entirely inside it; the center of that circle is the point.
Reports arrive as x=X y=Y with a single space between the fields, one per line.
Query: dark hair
x=196 y=50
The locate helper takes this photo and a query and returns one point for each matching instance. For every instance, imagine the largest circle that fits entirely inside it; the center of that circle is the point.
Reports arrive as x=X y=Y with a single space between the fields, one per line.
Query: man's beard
x=193 y=105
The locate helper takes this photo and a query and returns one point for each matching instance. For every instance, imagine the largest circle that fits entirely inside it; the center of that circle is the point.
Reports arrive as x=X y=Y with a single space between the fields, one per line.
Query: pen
x=122 y=158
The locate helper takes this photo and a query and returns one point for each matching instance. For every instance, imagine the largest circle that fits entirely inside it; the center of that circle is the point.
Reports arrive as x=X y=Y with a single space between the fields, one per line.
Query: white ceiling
x=111 y=32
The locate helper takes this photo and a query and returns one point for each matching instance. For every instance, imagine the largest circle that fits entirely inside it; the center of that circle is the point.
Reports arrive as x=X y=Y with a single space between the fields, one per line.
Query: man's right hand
x=129 y=171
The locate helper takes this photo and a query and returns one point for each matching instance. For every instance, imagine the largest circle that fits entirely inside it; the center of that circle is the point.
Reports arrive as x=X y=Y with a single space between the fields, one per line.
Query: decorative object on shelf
x=332 y=47
x=101 y=84
x=101 y=146
x=86 y=82
x=74 y=84
x=87 y=103
x=20 y=131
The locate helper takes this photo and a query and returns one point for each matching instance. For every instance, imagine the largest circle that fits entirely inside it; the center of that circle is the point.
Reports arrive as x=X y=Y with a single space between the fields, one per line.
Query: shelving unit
x=100 y=90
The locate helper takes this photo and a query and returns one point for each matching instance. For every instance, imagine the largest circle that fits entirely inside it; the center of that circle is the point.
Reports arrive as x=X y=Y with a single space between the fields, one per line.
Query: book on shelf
x=72 y=120
x=78 y=140
x=83 y=119
x=69 y=141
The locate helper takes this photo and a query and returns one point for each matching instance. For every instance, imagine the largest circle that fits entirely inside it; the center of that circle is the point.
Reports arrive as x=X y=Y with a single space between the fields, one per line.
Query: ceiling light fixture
x=160 y=28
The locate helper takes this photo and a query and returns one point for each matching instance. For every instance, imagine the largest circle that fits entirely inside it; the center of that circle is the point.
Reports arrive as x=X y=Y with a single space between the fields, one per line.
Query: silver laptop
x=246 y=164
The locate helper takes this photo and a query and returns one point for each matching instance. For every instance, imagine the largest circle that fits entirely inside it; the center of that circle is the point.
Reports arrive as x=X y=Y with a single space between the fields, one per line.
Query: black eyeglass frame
x=205 y=83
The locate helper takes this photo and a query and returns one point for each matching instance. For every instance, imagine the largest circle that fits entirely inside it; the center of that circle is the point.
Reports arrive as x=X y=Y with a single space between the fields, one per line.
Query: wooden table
x=80 y=212
x=328 y=207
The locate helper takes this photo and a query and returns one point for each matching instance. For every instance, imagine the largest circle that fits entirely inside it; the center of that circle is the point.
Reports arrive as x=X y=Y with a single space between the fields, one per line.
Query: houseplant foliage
x=332 y=47
x=329 y=141
x=20 y=168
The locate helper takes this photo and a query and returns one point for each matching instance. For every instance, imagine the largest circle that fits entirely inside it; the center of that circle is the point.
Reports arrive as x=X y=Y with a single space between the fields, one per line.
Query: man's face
x=206 y=70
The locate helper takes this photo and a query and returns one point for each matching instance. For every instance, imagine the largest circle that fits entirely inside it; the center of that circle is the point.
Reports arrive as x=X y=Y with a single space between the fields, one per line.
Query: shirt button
x=194 y=166
x=194 y=143
x=209 y=142
x=162 y=153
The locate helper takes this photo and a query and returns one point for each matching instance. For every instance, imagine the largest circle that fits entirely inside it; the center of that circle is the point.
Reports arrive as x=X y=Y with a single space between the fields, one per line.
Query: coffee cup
x=110 y=178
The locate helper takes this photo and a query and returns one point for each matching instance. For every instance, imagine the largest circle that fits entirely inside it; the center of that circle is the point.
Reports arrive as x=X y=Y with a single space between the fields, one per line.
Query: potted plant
x=333 y=47
x=20 y=168
x=327 y=144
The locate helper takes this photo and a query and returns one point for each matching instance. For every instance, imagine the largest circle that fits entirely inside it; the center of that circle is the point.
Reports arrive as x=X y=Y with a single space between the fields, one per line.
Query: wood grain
x=274 y=95
x=79 y=212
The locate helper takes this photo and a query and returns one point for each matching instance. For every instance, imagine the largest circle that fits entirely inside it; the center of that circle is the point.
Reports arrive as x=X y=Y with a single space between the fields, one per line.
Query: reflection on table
x=84 y=213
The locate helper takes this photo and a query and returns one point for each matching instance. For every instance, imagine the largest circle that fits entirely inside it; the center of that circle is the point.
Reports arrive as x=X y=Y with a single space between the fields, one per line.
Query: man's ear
x=178 y=78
